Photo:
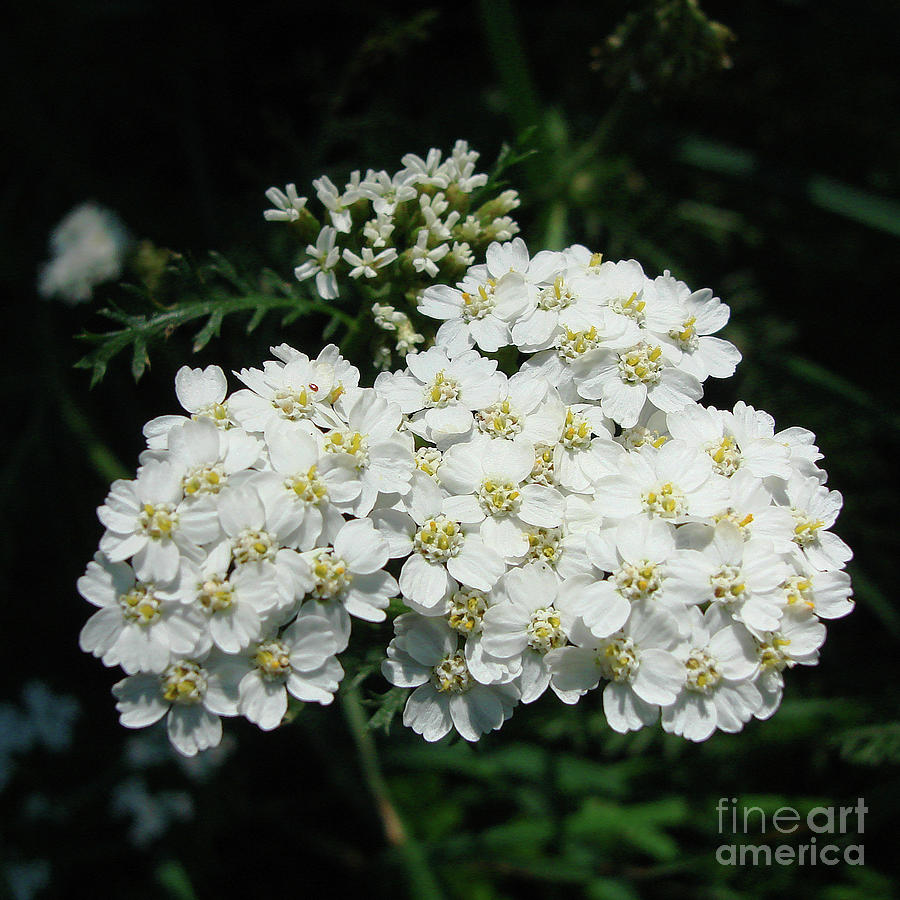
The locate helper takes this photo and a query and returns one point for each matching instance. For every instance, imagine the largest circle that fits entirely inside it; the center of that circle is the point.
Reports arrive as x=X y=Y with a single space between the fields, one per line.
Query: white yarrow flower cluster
x=233 y=564
x=581 y=524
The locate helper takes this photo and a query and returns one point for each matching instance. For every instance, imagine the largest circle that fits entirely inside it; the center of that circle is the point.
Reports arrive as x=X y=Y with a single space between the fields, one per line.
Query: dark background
x=774 y=181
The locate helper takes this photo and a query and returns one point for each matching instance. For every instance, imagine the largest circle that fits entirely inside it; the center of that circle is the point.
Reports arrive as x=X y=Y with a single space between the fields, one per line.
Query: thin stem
x=104 y=462
x=102 y=459
x=422 y=883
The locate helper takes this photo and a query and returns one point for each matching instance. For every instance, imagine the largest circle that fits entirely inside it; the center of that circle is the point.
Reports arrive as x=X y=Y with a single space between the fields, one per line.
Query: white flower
x=719 y=663
x=561 y=548
x=386 y=192
x=742 y=438
x=749 y=508
x=377 y=231
x=565 y=304
x=532 y=614
x=425 y=260
x=527 y=408
x=501 y=228
x=348 y=579
x=201 y=392
x=625 y=290
x=440 y=392
x=559 y=363
x=649 y=433
x=399 y=323
x=139 y=625
x=636 y=554
x=253 y=534
x=300 y=661
x=368 y=263
x=306 y=485
x=330 y=197
x=440 y=550
x=461 y=166
x=297 y=389
x=427 y=172
x=476 y=313
x=642 y=672
x=367 y=438
x=797 y=641
x=425 y=655
x=583 y=450
x=353 y=189
x=743 y=577
x=148 y=519
x=324 y=257
x=623 y=379
x=487 y=482
x=815 y=510
x=236 y=605
x=702 y=315
x=206 y=457
x=89 y=247
x=344 y=374
x=827 y=594
x=803 y=452
x=288 y=204
x=674 y=483
x=461 y=254
x=193 y=692
x=482 y=306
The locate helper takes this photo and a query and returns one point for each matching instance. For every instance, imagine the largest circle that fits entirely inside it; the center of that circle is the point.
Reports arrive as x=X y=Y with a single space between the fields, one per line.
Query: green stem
x=104 y=462
x=422 y=883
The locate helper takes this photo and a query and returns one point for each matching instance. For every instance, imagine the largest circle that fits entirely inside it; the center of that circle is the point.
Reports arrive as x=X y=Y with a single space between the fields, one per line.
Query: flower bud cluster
x=411 y=227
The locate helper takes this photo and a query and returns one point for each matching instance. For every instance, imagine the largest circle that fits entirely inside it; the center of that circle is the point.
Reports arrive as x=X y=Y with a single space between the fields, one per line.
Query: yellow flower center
x=184 y=682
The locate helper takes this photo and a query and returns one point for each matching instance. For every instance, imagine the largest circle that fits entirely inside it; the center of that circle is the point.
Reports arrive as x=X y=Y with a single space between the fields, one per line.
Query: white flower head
x=191 y=693
x=366 y=263
x=719 y=665
x=815 y=510
x=623 y=379
x=488 y=483
x=288 y=204
x=425 y=655
x=440 y=392
x=743 y=438
x=324 y=256
x=674 y=483
x=150 y=520
x=744 y=577
x=641 y=671
x=89 y=247
x=297 y=389
x=201 y=392
x=441 y=553
x=701 y=316
x=348 y=578
x=299 y=661
x=139 y=625
x=534 y=614
x=796 y=642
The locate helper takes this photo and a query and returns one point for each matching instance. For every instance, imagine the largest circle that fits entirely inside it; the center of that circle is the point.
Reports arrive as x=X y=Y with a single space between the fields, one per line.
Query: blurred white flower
x=88 y=247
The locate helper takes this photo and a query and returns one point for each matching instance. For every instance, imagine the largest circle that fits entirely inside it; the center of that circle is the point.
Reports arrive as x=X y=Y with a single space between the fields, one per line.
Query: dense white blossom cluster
x=581 y=524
